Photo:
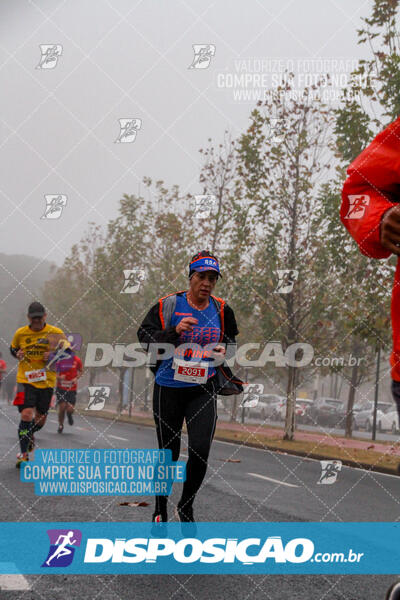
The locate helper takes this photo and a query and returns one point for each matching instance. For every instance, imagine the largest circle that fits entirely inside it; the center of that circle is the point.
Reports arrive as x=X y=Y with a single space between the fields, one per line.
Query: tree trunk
x=92 y=375
x=146 y=389
x=356 y=350
x=340 y=387
x=335 y=385
x=234 y=409
x=121 y=372
x=291 y=313
x=292 y=371
x=290 y=404
x=131 y=393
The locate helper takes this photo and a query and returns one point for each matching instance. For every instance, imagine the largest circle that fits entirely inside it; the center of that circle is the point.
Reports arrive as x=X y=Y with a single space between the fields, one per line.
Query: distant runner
x=69 y=371
x=3 y=368
x=32 y=344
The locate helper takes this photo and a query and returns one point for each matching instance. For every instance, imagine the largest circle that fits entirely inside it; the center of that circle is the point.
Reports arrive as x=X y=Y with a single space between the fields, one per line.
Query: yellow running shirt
x=35 y=344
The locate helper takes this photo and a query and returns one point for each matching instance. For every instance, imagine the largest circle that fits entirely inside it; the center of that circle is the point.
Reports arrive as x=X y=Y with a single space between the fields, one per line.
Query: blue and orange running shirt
x=206 y=331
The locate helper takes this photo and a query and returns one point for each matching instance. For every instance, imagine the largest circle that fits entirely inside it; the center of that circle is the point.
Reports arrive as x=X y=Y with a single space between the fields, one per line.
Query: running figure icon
x=62 y=549
x=330 y=470
x=98 y=396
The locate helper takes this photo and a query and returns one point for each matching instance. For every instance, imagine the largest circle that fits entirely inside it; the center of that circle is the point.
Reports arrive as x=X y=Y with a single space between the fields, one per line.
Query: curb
x=148 y=422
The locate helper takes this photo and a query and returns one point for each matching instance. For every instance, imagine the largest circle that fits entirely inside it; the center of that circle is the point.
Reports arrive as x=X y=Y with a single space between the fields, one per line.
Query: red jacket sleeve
x=371 y=188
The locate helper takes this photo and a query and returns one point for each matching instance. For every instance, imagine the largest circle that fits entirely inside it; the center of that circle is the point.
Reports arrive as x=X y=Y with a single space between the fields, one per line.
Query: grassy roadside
x=355 y=457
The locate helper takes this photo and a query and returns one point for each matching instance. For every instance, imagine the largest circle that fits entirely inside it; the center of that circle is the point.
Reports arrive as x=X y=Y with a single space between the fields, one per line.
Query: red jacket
x=371 y=188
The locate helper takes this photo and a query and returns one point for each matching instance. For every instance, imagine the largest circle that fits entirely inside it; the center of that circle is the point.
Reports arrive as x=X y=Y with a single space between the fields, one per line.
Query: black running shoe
x=188 y=525
x=70 y=418
x=60 y=428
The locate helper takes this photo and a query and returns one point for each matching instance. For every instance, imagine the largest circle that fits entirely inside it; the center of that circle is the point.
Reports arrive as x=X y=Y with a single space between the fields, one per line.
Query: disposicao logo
x=62 y=547
x=191 y=550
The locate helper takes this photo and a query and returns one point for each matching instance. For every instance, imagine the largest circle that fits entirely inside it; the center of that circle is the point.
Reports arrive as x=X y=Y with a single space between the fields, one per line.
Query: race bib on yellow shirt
x=34 y=376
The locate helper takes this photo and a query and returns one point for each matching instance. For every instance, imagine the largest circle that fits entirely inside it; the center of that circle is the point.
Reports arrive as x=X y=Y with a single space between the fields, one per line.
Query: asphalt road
x=263 y=486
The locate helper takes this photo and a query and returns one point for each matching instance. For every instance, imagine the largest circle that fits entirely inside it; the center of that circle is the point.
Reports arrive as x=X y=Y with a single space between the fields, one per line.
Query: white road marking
x=116 y=437
x=16 y=581
x=13 y=582
x=274 y=480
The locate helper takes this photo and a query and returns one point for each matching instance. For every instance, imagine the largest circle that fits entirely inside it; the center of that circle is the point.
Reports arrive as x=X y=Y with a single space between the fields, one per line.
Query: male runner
x=67 y=378
x=31 y=344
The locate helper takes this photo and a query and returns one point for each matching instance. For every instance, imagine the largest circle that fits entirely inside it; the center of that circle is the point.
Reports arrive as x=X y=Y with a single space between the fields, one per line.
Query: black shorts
x=66 y=396
x=38 y=398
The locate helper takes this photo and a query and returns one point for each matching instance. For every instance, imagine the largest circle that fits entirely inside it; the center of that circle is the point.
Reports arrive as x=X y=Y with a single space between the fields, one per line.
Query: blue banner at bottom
x=209 y=548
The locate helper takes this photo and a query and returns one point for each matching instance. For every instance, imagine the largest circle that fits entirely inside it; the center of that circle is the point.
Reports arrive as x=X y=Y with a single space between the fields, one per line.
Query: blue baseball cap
x=204 y=263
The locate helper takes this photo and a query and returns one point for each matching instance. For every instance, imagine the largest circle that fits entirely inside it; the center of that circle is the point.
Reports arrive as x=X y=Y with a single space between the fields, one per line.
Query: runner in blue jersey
x=199 y=325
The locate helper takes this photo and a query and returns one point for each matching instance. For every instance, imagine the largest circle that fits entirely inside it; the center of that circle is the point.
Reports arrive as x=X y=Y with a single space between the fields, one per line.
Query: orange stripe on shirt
x=221 y=315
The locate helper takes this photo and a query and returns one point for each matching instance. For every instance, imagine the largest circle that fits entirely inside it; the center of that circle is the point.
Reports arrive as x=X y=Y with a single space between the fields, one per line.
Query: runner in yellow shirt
x=32 y=344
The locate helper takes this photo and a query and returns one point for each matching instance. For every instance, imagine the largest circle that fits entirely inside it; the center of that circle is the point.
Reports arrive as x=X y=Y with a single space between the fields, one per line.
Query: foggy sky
x=127 y=59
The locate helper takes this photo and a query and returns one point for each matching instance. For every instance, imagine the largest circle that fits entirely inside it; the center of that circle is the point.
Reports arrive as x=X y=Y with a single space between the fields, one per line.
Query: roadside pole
x=378 y=360
x=131 y=391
